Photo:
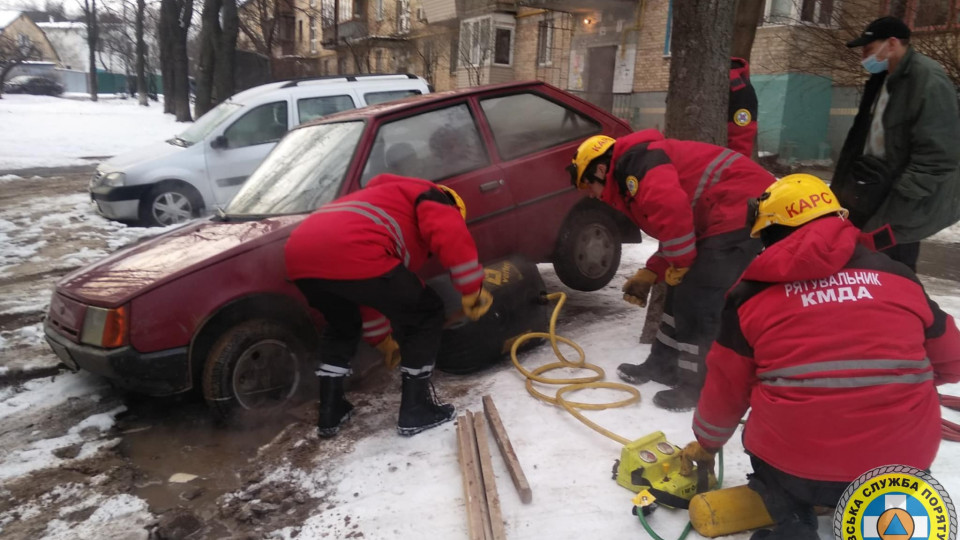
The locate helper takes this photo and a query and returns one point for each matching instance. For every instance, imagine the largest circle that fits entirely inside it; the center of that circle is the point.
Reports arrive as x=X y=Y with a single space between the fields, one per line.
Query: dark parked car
x=210 y=301
x=33 y=84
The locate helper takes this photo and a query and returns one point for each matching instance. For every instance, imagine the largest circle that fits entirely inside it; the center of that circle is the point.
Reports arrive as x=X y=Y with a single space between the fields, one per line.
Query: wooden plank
x=489 y=480
x=506 y=449
x=471 y=490
x=484 y=510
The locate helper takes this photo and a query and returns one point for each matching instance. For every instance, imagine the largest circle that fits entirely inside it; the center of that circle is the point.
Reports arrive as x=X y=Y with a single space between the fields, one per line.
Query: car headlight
x=105 y=327
x=114 y=179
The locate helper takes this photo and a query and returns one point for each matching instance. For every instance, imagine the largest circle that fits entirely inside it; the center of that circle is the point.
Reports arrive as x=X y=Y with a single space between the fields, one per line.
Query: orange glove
x=673 y=276
x=637 y=288
x=477 y=305
x=693 y=452
x=390 y=350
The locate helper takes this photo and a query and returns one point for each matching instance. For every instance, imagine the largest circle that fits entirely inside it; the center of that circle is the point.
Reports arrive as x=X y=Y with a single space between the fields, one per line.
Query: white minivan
x=204 y=167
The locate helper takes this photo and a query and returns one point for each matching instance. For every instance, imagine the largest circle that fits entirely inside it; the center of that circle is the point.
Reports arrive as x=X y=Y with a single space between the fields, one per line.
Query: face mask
x=872 y=65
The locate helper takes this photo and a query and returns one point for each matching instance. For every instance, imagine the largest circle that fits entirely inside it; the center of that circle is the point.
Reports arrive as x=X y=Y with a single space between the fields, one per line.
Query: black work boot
x=420 y=408
x=681 y=398
x=334 y=409
x=650 y=370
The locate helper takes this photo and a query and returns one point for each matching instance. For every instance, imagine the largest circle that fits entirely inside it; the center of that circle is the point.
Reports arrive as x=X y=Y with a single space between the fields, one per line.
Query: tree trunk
x=166 y=36
x=90 y=11
x=698 y=93
x=748 y=16
x=209 y=34
x=181 y=80
x=898 y=8
x=223 y=82
x=141 y=56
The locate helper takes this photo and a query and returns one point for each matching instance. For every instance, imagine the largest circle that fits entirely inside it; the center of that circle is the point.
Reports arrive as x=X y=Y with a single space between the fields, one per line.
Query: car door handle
x=490 y=186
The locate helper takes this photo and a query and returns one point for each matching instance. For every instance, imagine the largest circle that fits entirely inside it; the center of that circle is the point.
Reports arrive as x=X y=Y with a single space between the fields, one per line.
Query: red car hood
x=137 y=269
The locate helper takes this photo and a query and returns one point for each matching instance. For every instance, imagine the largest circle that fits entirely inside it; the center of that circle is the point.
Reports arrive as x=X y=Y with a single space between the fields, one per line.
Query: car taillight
x=105 y=327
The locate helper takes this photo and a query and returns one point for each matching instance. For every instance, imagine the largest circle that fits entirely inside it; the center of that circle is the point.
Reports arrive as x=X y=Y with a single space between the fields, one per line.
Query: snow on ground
x=410 y=488
x=43 y=131
x=950 y=235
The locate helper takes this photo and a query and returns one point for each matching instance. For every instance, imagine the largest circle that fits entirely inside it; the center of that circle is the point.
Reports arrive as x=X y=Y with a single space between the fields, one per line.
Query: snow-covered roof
x=64 y=25
x=7 y=17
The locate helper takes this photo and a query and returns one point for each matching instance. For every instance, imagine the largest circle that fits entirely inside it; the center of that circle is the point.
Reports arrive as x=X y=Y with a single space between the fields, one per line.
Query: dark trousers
x=790 y=499
x=414 y=310
x=905 y=253
x=691 y=314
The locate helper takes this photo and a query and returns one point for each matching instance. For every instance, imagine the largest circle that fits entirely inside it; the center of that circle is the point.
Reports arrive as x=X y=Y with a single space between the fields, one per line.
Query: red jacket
x=394 y=220
x=742 y=109
x=680 y=191
x=837 y=350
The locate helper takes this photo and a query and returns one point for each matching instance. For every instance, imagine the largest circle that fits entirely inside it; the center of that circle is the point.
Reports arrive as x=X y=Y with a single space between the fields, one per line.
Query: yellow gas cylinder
x=728 y=511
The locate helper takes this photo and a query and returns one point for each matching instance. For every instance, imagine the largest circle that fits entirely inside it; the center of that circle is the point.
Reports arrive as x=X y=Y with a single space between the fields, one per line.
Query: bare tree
x=89 y=9
x=14 y=52
x=218 y=47
x=697 y=95
x=141 y=63
x=175 y=19
x=748 y=16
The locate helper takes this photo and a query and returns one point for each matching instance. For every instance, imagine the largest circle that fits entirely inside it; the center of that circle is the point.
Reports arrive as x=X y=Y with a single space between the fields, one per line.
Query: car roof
x=382 y=109
x=347 y=81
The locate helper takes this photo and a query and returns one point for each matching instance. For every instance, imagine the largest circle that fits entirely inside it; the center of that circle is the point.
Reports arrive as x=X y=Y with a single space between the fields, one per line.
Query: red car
x=210 y=302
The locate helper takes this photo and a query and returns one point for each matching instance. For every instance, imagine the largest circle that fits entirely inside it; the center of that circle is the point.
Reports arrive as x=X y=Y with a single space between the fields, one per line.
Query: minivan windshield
x=303 y=172
x=205 y=124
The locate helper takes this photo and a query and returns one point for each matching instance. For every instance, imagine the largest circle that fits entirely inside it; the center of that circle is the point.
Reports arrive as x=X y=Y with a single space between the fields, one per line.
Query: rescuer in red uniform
x=691 y=196
x=742 y=109
x=356 y=258
x=835 y=348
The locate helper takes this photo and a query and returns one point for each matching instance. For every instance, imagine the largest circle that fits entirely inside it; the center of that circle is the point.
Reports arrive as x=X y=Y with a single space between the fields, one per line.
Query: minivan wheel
x=168 y=204
x=588 y=250
x=256 y=369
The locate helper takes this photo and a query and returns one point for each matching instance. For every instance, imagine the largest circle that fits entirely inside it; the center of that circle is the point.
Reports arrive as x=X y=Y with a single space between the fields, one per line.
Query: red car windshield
x=304 y=171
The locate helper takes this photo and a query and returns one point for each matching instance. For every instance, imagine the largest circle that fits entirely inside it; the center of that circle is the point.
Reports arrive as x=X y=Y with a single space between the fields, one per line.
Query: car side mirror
x=219 y=142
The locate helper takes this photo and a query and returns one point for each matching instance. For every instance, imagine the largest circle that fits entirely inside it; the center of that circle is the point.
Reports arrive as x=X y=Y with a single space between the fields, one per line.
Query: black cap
x=882 y=28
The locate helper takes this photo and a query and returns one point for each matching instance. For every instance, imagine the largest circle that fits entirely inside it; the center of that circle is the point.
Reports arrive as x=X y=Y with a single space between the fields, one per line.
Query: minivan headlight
x=105 y=327
x=114 y=179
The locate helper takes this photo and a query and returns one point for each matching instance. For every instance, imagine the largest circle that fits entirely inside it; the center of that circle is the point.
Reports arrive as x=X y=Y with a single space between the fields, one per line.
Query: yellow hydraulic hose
x=571 y=384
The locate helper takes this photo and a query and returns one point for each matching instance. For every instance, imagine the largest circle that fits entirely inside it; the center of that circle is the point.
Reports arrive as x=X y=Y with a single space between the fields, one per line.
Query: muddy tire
x=256 y=370
x=169 y=203
x=588 y=250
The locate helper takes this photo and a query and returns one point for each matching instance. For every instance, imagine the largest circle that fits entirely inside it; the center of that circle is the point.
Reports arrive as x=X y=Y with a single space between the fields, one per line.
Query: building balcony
x=351 y=30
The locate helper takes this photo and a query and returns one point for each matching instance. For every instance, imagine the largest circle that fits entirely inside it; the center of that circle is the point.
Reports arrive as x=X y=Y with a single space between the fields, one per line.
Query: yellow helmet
x=456 y=200
x=588 y=151
x=792 y=201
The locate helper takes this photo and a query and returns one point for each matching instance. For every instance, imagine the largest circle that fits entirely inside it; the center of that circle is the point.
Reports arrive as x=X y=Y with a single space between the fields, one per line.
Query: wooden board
x=489 y=480
x=471 y=486
x=484 y=509
x=506 y=449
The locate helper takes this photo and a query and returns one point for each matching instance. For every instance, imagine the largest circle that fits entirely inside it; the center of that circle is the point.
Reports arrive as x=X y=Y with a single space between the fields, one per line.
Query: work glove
x=693 y=452
x=673 y=276
x=637 y=288
x=476 y=305
x=390 y=350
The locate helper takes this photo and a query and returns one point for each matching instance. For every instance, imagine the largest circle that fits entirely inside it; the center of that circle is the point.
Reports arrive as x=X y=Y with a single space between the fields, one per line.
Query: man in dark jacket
x=900 y=163
x=830 y=396
x=690 y=196
x=356 y=258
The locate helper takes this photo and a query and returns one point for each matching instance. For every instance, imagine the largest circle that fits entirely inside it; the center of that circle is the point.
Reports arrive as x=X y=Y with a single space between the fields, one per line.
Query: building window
x=778 y=12
x=313 y=34
x=346 y=11
x=403 y=16
x=378 y=61
x=669 y=34
x=545 y=42
x=503 y=47
x=325 y=67
x=817 y=11
x=300 y=30
x=379 y=10
x=327 y=13
x=357 y=9
x=341 y=66
x=928 y=13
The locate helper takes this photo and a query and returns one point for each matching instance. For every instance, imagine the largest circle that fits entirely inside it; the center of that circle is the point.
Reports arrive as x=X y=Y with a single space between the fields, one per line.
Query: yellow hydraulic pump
x=653 y=463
